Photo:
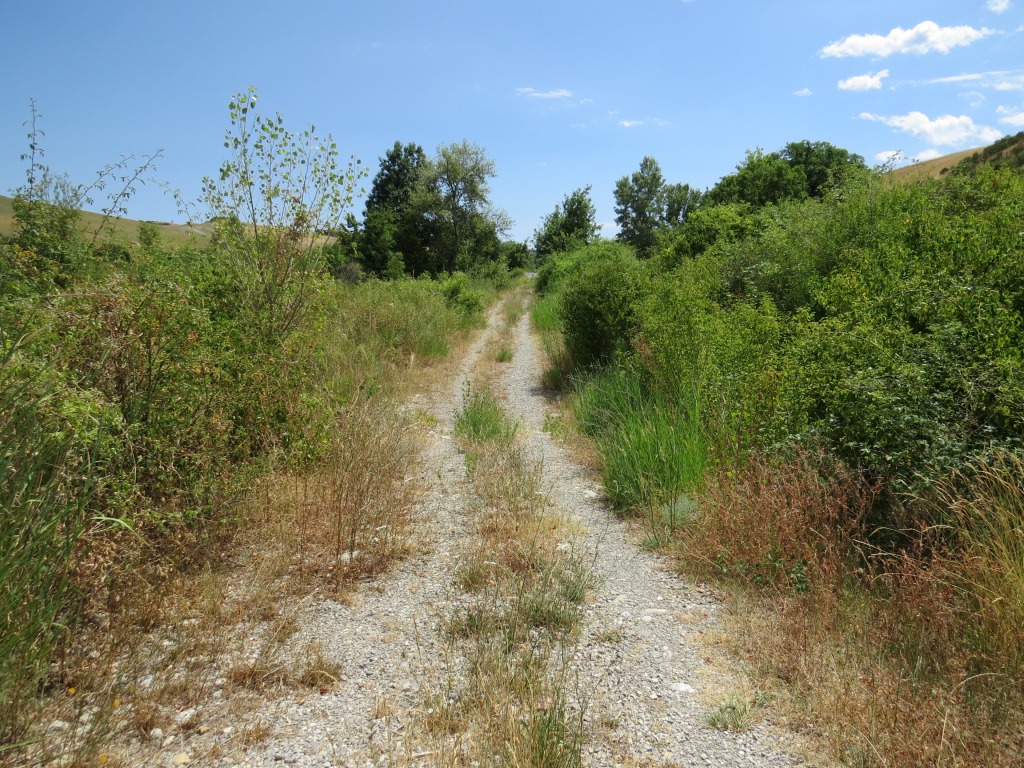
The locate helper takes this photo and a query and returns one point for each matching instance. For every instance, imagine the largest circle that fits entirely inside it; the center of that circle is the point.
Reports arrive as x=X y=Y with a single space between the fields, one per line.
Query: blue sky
x=559 y=94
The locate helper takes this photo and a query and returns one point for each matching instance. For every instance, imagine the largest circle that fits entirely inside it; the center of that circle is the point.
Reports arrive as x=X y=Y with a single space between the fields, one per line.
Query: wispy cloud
x=1011 y=117
x=926 y=37
x=533 y=93
x=630 y=123
x=998 y=6
x=1000 y=80
x=944 y=131
x=974 y=98
x=803 y=92
x=868 y=82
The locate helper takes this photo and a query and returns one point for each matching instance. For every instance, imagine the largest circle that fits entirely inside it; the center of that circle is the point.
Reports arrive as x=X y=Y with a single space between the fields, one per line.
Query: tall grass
x=652 y=449
x=546 y=317
x=988 y=509
x=482 y=419
x=909 y=658
x=43 y=498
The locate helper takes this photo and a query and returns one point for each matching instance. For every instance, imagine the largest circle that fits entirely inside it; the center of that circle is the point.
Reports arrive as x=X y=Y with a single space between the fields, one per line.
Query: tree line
x=427 y=216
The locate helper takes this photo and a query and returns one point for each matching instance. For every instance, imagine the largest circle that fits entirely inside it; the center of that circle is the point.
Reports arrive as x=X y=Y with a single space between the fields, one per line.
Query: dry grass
x=178 y=622
x=891 y=659
x=515 y=699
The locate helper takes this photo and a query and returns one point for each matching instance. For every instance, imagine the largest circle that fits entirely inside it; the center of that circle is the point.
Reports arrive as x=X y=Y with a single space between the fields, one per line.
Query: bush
x=599 y=309
x=459 y=296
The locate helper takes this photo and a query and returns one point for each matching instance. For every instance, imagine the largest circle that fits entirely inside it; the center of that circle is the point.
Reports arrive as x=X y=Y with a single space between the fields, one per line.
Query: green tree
x=393 y=232
x=572 y=224
x=823 y=164
x=396 y=180
x=761 y=179
x=640 y=206
x=801 y=169
x=680 y=201
x=453 y=197
x=274 y=195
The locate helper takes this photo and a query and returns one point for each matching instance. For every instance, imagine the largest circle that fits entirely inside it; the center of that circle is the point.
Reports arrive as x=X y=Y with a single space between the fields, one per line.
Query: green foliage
x=651 y=447
x=1007 y=152
x=460 y=296
x=572 y=225
x=273 y=196
x=760 y=180
x=640 y=205
x=43 y=493
x=703 y=228
x=801 y=169
x=453 y=192
x=149 y=235
x=899 y=306
x=598 y=308
x=392 y=230
x=564 y=268
x=481 y=419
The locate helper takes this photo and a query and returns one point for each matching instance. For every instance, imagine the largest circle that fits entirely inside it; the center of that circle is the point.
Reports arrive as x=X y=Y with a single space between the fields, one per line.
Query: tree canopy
x=572 y=224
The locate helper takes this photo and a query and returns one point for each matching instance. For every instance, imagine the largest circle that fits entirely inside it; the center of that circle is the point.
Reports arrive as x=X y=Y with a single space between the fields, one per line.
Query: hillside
x=932 y=169
x=1009 y=150
x=126 y=228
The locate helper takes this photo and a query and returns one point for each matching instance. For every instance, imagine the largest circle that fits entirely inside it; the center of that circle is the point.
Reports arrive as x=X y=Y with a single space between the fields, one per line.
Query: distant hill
x=1008 y=151
x=126 y=228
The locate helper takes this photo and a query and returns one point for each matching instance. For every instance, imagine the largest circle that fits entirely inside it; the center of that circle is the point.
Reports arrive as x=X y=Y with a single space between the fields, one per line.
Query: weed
x=318 y=671
x=733 y=714
x=482 y=419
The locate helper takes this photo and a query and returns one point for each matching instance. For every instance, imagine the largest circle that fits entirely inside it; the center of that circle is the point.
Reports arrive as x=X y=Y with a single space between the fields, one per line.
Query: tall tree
x=572 y=224
x=395 y=181
x=801 y=169
x=453 y=194
x=640 y=206
x=392 y=233
x=822 y=163
x=680 y=201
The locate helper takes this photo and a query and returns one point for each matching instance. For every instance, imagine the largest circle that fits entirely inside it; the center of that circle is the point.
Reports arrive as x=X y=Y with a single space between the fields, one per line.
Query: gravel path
x=639 y=671
x=638 y=662
x=387 y=642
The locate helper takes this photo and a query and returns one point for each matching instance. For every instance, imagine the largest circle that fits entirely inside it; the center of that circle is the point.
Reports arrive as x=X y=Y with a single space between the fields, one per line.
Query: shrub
x=599 y=309
x=460 y=296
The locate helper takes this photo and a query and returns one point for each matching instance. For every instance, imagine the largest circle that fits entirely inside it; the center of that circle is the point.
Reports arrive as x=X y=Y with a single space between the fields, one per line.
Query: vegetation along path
x=628 y=685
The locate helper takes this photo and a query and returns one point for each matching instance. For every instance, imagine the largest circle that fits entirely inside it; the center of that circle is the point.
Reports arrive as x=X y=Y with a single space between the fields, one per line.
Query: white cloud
x=630 y=123
x=803 y=92
x=924 y=38
x=944 y=131
x=928 y=154
x=1011 y=117
x=1000 y=80
x=533 y=93
x=889 y=156
x=868 y=82
x=997 y=6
